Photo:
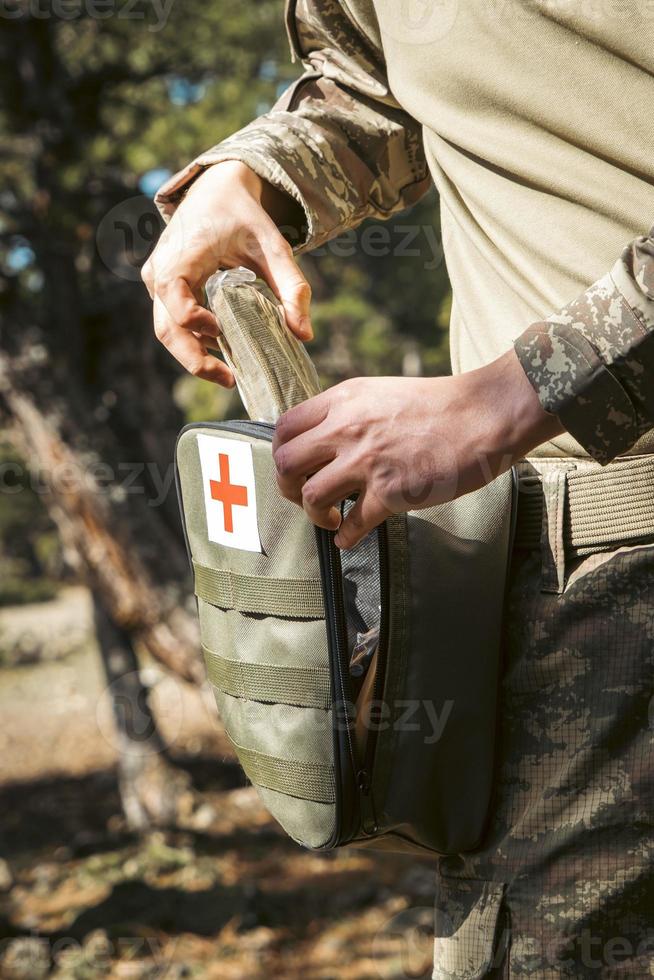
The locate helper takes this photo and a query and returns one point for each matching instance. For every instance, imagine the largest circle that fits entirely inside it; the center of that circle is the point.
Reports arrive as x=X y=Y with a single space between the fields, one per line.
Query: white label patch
x=230 y=500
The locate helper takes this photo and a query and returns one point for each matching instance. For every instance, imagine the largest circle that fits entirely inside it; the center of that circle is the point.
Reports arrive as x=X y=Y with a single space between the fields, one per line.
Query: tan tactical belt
x=600 y=508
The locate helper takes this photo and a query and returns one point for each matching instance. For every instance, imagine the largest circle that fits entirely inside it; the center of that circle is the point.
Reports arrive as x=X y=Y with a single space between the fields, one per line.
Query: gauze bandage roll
x=272 y=368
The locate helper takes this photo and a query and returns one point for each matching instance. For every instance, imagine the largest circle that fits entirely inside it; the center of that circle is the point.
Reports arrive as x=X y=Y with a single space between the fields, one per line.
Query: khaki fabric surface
x=266 y=638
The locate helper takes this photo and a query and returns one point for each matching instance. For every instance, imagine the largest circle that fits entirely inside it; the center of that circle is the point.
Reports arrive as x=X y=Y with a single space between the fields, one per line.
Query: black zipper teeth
x=380 y=672
x=336 y=594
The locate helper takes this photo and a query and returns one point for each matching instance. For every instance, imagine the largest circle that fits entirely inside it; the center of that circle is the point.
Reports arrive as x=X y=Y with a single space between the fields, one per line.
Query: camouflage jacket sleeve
x=592 y=364
x=336 y=141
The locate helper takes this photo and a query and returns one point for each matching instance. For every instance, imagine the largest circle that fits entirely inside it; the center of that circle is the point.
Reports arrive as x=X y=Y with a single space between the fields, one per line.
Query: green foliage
x=30 y=553
x=110 y=99
x=201 y=402
x=19 y=584
x=381 y=294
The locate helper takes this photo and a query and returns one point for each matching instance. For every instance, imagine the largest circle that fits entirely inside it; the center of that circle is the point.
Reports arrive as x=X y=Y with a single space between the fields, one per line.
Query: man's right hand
x=227 y=218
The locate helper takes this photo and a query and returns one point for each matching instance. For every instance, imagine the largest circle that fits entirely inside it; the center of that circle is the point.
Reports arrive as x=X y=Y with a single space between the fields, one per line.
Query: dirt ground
x=224 y=894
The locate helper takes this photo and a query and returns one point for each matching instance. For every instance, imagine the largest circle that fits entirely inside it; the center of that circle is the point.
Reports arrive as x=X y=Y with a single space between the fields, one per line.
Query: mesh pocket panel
x=361 y=584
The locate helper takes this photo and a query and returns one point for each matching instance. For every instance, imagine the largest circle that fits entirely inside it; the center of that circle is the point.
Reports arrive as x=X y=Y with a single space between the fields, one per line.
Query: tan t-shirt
x=536 y=131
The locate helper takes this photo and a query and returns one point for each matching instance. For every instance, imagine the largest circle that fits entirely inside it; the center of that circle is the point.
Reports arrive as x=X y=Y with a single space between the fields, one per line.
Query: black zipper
x=342 y=651
x=360 y=778
x=364 y=777
x=346 y=824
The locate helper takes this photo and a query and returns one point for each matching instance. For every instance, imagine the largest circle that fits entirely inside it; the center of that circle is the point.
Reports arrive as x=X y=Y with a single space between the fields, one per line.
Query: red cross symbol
x=230 y=494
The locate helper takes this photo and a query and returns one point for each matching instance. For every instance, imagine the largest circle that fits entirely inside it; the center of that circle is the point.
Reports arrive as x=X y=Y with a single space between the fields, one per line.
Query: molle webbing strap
x=293 y=597
x=604 y=508
x=304 y=780
x=304 y=687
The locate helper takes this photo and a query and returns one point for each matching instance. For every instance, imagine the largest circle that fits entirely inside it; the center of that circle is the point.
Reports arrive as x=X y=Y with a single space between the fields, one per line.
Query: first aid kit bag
x=358 y=688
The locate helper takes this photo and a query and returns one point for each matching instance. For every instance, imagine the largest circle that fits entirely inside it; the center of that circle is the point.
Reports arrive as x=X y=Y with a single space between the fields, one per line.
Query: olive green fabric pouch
x=359 y=690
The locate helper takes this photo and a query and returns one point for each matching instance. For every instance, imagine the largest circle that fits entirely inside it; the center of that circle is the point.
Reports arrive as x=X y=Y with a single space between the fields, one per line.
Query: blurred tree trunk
x=103 y=540
x=149 y=786
x=93 y=415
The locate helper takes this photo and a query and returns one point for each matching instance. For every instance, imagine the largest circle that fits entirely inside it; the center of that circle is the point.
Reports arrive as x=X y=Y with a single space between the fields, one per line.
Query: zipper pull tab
x=368 y=819
x=363 y=781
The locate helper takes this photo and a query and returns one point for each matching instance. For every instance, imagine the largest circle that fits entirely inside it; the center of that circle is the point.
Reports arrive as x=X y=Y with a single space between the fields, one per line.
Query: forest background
x=130 y=844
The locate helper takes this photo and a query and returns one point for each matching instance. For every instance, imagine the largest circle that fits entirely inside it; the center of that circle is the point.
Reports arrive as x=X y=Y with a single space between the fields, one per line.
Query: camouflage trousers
x=564 y=883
